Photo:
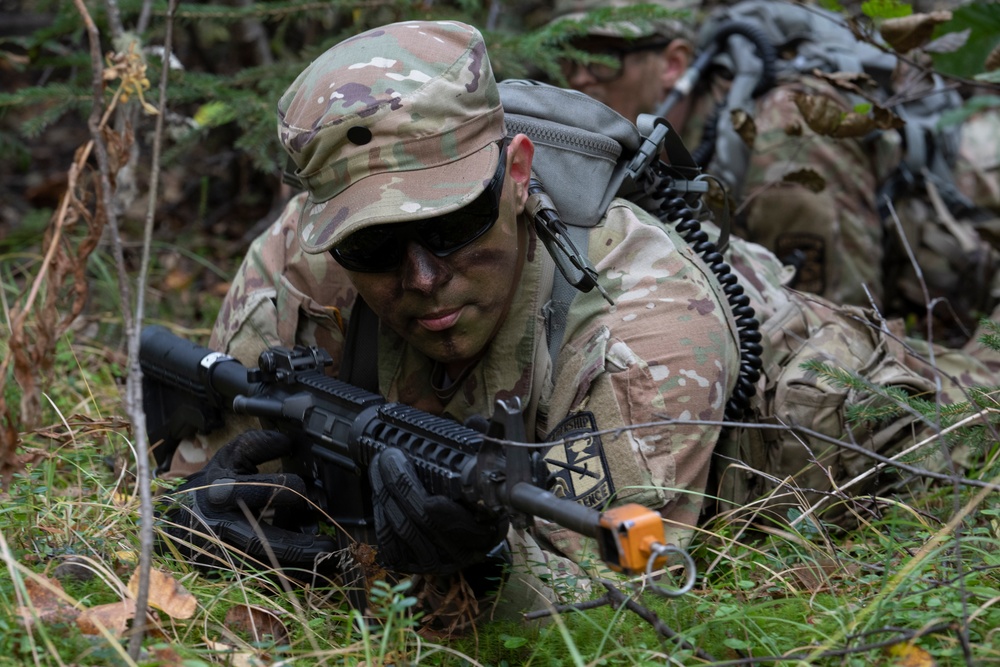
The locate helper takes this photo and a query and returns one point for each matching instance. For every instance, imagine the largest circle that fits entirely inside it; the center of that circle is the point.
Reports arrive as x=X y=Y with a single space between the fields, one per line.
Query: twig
x=956 y=499
x=667 y=421
x=883 y=463
x=143 y=22
x=616 y=598
x=114 y=19
x=107 y=197
x=133 y=404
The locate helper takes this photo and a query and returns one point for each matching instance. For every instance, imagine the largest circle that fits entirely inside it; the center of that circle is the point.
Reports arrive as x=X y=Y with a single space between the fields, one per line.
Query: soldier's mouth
x=440 y=320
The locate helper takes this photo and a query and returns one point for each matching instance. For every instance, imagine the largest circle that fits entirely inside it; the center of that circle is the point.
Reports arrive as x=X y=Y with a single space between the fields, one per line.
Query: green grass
x=787 y=593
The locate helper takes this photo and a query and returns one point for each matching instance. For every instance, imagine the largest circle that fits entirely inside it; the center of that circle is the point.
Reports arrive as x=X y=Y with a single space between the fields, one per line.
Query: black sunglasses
x=381 y=248
x=611 y=65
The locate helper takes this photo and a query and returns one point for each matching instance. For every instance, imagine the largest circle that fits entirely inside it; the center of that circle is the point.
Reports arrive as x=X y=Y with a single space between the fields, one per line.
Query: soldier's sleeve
x=666 y=350
x=279 y=296
x=284 y=296
x=811 y=200
x=247 y=320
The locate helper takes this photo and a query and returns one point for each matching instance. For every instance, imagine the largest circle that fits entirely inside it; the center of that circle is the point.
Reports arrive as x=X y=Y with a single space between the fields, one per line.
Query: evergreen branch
x=37 y=124
x=53 y=92
x=896 y=402
x=261 y=10
x=990 y=338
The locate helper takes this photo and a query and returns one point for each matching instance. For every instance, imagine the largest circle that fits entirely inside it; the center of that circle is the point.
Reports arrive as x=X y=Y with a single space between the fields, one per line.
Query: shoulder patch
x=578 y=465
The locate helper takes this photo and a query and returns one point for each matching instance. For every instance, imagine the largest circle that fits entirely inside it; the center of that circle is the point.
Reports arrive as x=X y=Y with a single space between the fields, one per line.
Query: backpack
x=938 y=222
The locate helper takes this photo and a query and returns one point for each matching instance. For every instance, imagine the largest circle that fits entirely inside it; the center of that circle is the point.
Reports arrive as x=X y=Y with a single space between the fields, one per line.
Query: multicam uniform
x=668 y=348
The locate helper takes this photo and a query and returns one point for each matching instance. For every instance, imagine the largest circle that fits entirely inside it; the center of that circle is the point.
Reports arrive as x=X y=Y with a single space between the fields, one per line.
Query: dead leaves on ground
x=993 y=60
x=115 y=617
x=908 y=655
x=166 y=594
x=48 y=603
x=258 y=623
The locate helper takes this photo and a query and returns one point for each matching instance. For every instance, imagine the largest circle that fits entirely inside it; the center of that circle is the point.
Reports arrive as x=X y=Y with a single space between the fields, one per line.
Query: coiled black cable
x=768 y=53
x=672 y=207
x=703 y=152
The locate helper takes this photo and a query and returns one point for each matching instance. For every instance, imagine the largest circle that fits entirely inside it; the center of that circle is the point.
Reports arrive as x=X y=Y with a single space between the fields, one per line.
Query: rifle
x=338 y=428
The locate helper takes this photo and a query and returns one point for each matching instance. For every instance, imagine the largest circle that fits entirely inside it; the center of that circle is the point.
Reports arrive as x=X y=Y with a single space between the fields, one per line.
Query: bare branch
x=133 y=402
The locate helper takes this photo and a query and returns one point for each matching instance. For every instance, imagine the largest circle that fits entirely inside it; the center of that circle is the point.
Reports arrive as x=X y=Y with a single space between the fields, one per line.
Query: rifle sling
x=359 y=360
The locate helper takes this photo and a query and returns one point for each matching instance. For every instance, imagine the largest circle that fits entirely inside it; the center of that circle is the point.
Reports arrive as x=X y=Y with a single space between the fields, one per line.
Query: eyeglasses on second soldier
x=381 y=248
x=612 y=62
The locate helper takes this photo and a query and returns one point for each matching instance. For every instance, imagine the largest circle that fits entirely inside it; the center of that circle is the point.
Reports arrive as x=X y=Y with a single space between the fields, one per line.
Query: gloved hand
x=420 y=533
x=209 y=503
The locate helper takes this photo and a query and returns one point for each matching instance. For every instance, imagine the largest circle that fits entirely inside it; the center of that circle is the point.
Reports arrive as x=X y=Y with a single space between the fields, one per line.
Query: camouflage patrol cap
x=397 y=123
x=634 y=28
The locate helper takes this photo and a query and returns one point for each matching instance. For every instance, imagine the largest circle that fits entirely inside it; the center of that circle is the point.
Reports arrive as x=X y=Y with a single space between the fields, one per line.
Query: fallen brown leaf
x=948 y=42
x=908 y=655
x=794 y=129
x=256 y=622
x=909 y=32
x=822 y=115
x=807 y=178
x=166 y=594
x=826 y=117
x=47 y=605
x=166 y=656
x=855 y=82
x=114 y=617
x=745 y=126
x=817 y=575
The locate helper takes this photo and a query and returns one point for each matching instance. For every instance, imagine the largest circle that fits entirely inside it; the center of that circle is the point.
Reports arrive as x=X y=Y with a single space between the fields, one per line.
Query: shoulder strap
x=563 y=294
x=359 y=360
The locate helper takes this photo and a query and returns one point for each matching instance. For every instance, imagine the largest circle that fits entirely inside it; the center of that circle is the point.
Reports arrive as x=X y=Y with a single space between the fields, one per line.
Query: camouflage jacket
x=667 y=349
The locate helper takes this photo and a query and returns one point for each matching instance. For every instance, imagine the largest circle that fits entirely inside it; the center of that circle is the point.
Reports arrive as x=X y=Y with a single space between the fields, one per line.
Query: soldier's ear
x=520 y=154
x=676 y=58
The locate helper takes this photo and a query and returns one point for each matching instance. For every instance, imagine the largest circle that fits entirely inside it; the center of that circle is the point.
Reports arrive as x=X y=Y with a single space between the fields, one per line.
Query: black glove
x=209 y=503
x=420 y=533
